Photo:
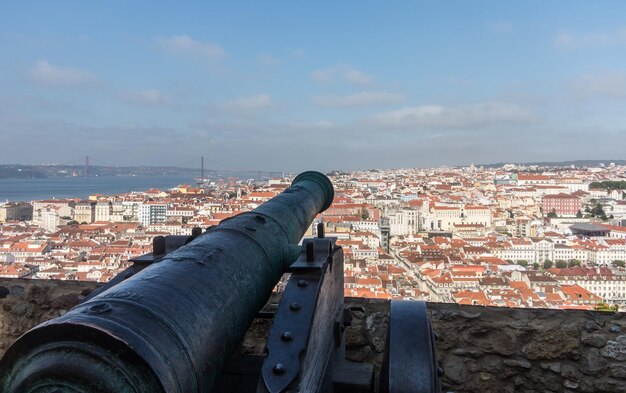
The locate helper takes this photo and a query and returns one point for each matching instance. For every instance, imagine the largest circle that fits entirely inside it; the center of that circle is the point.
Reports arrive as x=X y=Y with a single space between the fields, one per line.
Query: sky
x=295 y=85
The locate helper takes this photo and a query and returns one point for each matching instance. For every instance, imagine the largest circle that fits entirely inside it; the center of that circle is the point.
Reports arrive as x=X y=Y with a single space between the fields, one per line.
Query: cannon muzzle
x=172 y=326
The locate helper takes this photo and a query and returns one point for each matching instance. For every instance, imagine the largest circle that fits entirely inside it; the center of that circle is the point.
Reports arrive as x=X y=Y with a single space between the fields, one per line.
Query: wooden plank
x=321 y=354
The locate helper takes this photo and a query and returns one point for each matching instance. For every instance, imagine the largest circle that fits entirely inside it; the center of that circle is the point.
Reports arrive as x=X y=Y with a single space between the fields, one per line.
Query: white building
x=103 y=211
x=152 y=213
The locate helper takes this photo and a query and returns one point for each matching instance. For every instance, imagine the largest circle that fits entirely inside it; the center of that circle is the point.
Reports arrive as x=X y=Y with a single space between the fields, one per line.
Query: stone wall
x=491 y=349
x=482 y=349
x=27 y=303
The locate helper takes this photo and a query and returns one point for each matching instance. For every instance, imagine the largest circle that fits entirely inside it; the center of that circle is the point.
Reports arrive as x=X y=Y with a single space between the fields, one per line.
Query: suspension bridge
x=195 y=166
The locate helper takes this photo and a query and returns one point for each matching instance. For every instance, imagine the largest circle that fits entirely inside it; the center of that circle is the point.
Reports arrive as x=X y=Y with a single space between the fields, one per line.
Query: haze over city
x=285 y=86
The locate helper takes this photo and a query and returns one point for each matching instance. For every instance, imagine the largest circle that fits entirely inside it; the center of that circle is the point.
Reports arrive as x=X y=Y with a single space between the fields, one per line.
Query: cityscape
x=512 y=235
x=329 y=196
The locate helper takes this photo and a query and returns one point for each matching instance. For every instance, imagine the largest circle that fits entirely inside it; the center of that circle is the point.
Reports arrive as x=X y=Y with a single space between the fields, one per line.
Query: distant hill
x=20 y=172
x=578 y=163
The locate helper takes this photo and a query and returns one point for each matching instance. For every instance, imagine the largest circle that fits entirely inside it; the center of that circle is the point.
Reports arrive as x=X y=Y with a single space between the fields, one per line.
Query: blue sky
x=302 y=85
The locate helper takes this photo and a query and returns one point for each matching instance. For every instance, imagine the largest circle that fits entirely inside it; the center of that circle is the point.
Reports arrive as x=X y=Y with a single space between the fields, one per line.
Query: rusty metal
x=172 y=326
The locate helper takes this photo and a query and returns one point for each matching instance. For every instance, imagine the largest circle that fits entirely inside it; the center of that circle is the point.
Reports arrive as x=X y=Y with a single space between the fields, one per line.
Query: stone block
x=594 y=340
x=615 y=349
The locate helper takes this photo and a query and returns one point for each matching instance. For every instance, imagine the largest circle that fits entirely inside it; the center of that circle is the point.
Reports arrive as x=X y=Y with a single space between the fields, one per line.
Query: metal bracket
x=163 y=245
x=410 y=363
x=289 y=336
x=290 y=331
x=314 y=255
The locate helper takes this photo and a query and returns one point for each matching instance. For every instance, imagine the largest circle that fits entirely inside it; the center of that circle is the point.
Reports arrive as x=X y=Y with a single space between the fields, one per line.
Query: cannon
x=173 y=321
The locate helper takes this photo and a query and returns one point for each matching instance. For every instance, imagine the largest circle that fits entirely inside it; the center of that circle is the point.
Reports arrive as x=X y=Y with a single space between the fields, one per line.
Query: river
x=66 y=187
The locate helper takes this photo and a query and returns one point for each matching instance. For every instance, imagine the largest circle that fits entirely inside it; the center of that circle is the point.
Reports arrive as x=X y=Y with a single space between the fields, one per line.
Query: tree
x=522 y=263
x=609 y=185
x=561 y=264
x=364 y=214
x=618 y=263
x=536 y=266
x=599 y=212
x=606 y=307
x=573 y=262
x=552 y=214
x=579 y=214
x=547 y=264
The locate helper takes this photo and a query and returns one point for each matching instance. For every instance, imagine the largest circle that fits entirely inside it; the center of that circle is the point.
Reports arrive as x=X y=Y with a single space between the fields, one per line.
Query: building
x=19 y=211
x=403 y=222
x=65 y=208
x=152 y=213
x=85 y=212
x=561 y=204
x=103 y=211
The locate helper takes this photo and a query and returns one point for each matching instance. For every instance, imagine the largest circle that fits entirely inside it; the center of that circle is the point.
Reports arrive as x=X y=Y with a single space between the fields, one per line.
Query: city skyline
x=324 y=85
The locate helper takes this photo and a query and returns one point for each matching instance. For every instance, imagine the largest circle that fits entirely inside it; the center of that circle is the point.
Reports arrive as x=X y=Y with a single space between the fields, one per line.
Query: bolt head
x=287 y=336
x=295 y=307
x=279 y=369
x=302 y=283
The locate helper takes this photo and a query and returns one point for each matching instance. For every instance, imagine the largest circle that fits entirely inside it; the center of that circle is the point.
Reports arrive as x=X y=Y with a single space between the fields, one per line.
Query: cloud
x=343 y=72
x=463 y=116
x=48 y=75
x=363 y=98
x=608 y=84
x=297 y=53
x=570 y=40
x=247 y=106
x=259 y=101
x=144 y=97
x=564 y=40
x=268 y=60
x=310 y=126
x=182 y=45
x=501 y=27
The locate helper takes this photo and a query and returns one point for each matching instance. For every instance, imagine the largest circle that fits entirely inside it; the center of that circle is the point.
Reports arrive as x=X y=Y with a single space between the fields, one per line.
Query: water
x=66 y=187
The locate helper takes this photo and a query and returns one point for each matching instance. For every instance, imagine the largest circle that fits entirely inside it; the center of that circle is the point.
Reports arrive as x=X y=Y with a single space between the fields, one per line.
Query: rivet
x=287 y=336
x=302 y=283
x=294 y=307
x=279 y=369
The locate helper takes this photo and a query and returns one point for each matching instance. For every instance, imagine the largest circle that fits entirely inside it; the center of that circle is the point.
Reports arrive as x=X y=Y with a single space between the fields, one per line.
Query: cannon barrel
x=171 y=327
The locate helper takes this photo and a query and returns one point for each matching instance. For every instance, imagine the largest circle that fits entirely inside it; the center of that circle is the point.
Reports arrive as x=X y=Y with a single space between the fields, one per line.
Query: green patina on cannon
x=172 y=321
